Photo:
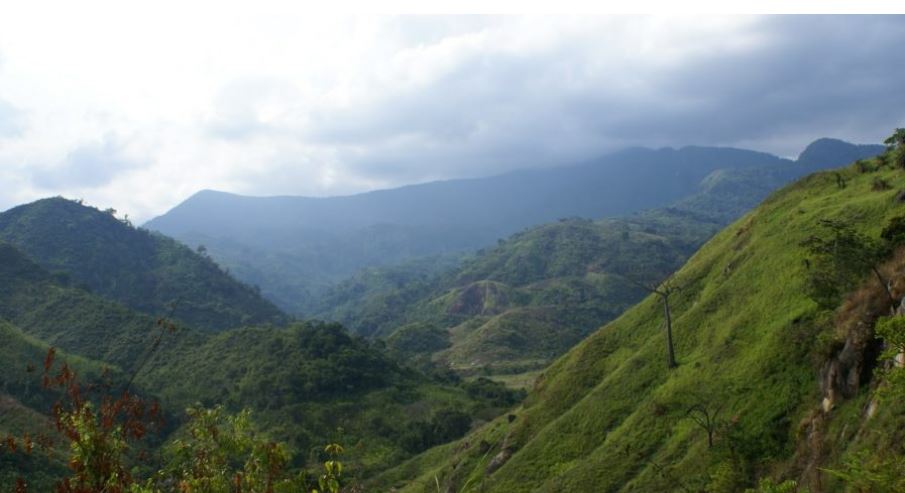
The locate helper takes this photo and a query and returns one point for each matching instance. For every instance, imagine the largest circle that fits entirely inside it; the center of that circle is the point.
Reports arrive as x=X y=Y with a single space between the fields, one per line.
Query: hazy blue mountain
x=145 y=271
x=826 y=150
x=296 y=247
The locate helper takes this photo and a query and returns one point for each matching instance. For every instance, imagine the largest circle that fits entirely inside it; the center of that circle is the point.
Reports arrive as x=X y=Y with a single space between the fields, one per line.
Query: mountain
x=785 y=387
x=49 y=308
x=294 y=247
x=302 y=381
x=145 y=271
x=513 y=308
x=835 y=150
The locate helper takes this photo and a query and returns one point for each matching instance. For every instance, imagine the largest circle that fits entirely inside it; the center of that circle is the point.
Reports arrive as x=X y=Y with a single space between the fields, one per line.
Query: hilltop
x=145 y=271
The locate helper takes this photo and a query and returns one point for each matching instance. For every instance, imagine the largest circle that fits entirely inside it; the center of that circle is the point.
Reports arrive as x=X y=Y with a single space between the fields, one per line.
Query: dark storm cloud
x=91 y=165
x=816 y=76
x=776 y=85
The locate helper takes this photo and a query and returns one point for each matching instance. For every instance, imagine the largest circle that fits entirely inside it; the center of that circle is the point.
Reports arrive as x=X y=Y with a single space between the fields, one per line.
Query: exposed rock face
x=481 y=298
x=849 y=367
x=852 y=366
x=841 y=375
x=499 y=459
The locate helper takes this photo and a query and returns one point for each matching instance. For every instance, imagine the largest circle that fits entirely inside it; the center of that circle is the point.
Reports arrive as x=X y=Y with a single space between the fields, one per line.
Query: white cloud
x=137 y=107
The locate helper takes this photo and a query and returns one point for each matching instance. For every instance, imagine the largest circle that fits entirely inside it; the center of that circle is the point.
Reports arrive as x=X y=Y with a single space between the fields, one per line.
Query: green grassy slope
x=609 y=416
x=147 y=272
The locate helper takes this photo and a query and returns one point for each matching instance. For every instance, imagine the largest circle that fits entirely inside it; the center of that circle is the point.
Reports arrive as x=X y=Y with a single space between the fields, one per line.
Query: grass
x=608 y=416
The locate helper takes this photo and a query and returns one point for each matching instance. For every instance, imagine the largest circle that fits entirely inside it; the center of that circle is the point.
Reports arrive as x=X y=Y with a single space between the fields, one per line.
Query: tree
x=664 y=290
x=222 y=453
x=895 y=147
x=896 y=140
x=840 y=258
x=705 y=414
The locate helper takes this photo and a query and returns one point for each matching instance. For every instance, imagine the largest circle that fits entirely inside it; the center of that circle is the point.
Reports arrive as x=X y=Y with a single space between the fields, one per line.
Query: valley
x=520 y=366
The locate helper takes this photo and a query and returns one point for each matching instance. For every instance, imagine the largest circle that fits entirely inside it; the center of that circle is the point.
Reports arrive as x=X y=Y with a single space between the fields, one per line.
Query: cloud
x=287 y=104
x=90 y=165
x=10 y=120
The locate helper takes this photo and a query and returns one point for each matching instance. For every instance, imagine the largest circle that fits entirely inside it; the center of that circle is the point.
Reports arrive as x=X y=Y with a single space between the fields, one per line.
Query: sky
x=137 y=108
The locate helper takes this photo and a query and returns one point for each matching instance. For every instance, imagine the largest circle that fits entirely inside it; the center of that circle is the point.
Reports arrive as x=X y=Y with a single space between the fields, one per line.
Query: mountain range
x=295 y=248
x=775 y=380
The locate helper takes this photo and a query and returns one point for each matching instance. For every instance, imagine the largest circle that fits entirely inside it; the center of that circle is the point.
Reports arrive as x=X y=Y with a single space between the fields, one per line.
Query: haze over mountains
x=450 y=254
x=555 y=311
x=296 y=247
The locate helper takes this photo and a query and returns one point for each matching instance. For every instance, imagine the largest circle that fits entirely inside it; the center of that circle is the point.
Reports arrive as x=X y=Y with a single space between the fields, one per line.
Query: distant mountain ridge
x=296 y=247
x=825 y=149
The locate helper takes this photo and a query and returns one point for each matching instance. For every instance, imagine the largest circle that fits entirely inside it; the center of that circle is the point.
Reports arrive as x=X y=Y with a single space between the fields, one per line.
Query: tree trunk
x=670 y=352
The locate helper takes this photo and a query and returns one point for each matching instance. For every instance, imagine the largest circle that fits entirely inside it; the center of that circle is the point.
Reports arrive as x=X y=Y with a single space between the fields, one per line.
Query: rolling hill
x=517 y=306
x=302 y=382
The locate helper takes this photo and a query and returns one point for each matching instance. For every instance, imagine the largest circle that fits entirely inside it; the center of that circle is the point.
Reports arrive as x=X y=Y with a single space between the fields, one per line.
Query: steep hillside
x=751 y=343
x=147 y=272
x=48 y=308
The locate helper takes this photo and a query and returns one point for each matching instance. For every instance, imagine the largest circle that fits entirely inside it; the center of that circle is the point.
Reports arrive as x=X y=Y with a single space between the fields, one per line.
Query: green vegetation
x=609 y=416
x=297 y=248
x=49 y=308
x=144 y=271
x=779 y=379
x=302 y=382
x=511 y=309
x=514 y=308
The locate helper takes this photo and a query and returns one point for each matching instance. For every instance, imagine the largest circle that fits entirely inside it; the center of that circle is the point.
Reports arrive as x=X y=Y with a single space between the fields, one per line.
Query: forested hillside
x=303 y=383
x=513 y=308
x=776 y=374
x=148 y=272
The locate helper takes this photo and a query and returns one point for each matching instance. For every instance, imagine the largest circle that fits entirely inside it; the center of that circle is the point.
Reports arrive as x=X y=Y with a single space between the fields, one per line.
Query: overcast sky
x=138 y=109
